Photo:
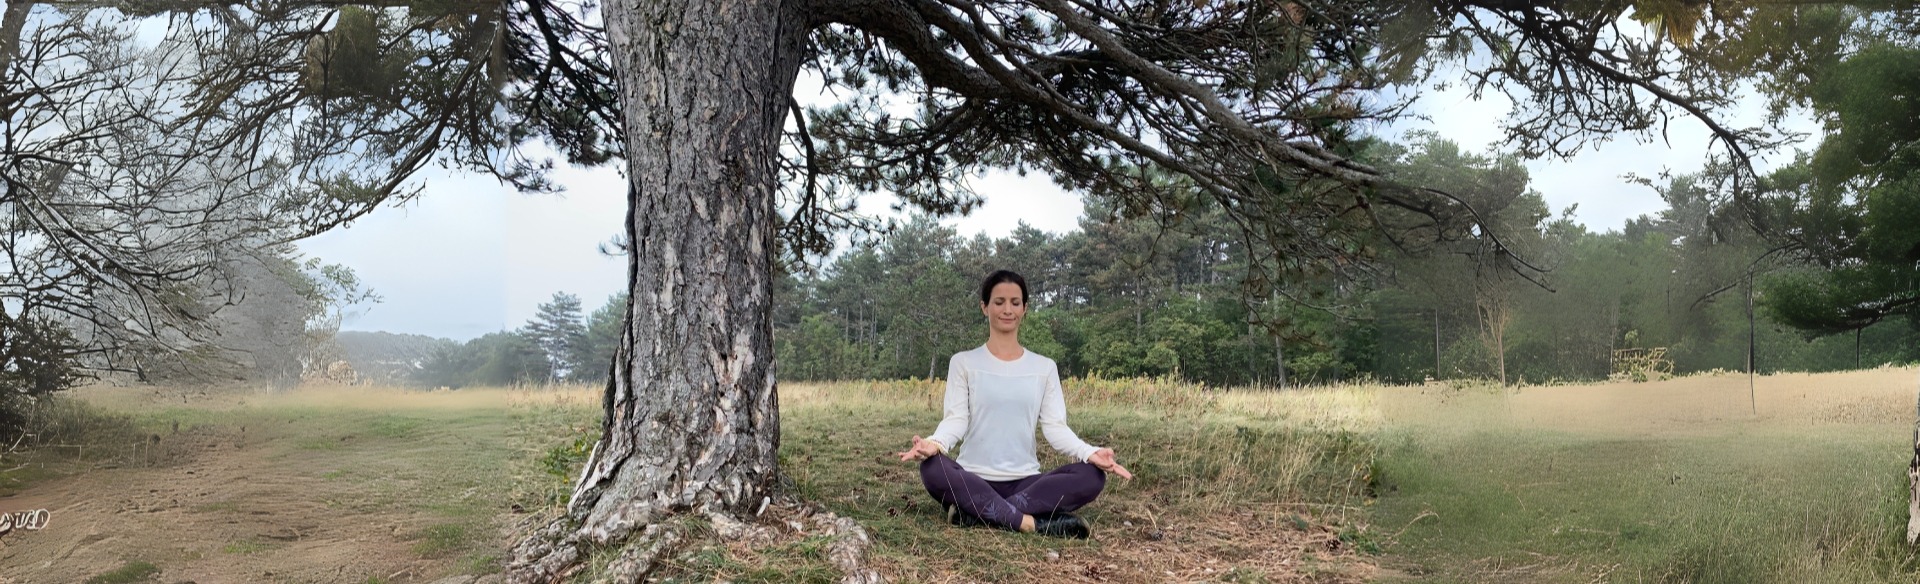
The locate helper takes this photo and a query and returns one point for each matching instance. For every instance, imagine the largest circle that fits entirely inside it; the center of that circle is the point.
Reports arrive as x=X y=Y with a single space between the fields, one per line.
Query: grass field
x=1685 y=480
x=317 y=485
x=1677 y=481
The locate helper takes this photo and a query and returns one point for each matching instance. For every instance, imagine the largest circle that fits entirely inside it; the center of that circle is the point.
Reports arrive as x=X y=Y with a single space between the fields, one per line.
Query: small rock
x=1156 y=535
x=1053 y=556
x=1126 y=524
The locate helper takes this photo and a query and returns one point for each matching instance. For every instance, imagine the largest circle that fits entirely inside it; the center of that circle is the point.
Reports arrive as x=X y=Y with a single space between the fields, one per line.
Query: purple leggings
x=1002 y=503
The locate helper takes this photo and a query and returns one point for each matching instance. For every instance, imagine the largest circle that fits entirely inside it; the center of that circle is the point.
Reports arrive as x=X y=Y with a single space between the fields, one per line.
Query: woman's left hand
x=1103 y=460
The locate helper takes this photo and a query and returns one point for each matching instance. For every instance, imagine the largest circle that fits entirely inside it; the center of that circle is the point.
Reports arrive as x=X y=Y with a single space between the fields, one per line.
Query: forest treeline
x=1124 y=296
x=1131 y=293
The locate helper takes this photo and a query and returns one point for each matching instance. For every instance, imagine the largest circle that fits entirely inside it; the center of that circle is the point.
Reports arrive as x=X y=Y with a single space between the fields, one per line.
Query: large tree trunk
x=1913 y=492
x=692 y=423
x=1913 y=486
x=11 y=25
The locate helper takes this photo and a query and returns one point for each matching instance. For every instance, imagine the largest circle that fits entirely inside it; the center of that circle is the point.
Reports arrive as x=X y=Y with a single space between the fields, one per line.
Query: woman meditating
x=996 y=394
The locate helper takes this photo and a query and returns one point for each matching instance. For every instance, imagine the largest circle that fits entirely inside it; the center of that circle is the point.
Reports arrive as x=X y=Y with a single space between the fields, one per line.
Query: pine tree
x=561 y=332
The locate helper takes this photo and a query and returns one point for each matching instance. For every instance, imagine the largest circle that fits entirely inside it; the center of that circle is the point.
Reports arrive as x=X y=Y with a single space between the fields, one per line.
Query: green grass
x=801 y=562
x=440 y=540
x=1748 y=506
x=26 y=474
x=480 y=563
x=60 y=436
x=246 y=547
x=394 y=426
x=217 y=507
x=134 y=571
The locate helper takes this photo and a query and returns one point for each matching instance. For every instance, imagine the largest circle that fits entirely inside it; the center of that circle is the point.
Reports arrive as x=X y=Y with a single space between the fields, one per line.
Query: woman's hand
x=921 y=450
x=1103 y=460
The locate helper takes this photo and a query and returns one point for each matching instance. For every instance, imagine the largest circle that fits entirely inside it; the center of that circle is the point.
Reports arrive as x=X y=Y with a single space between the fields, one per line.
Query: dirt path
x=233 y=501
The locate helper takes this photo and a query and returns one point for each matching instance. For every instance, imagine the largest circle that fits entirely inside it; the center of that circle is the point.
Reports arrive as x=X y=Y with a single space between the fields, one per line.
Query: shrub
x=36 y=359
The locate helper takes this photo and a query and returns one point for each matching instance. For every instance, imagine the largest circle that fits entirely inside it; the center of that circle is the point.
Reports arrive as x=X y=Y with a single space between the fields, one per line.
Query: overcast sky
x=471 y=256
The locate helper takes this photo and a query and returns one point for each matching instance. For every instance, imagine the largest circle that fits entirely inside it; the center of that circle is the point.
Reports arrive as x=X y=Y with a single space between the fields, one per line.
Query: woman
x=996 y=393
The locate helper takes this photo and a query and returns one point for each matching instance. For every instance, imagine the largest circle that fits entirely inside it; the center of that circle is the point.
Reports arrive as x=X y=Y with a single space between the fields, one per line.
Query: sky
x=471 y=256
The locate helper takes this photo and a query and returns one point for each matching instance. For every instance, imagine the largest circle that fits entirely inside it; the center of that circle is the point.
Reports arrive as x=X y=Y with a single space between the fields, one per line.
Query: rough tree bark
x=11 y=24
x=692 y=421
x=1913 y=485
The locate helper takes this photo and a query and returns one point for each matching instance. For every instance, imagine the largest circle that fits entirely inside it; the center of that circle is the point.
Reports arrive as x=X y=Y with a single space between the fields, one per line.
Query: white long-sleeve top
x=991 y=408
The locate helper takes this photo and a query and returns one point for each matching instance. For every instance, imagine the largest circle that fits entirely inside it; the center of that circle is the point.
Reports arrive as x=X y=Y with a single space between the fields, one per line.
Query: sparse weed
x=134 y=571
x=245 y=547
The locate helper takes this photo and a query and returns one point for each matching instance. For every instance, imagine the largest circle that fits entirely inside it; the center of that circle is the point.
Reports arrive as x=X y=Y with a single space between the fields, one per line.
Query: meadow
x=1683 y=480
x=1801 y=478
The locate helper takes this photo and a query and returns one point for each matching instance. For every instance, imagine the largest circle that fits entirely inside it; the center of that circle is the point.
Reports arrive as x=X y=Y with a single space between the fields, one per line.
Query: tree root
x=548 y=555
x=558 y=552
x=847 y=542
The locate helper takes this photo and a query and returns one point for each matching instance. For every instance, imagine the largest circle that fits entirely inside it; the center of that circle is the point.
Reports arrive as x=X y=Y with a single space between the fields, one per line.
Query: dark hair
x=999 y=277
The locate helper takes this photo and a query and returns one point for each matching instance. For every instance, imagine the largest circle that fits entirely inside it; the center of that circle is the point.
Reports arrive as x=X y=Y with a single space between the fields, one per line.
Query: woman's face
x=1004 y=308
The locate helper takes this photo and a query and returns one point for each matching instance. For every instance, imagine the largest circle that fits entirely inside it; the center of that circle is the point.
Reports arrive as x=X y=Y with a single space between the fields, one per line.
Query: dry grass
x=1801 y=478
x=1233 y=486
x=1671 y=481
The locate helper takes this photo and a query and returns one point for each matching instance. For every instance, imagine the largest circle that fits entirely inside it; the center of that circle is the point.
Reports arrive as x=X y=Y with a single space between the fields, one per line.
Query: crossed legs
x=1006 y=503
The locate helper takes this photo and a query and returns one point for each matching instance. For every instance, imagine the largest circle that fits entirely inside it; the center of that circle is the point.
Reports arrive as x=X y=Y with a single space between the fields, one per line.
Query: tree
x=561 y=332
x=927 y=302
x=602 y=338
x=1230 y=93
x=328 y=293
x=136 y=176
x=36 y=359
x=509 y=358
x=493 y=359
x=388 y=358
x=1496 y=188
x=847 y=294
x=1256 y=105
x=1852 y=207
x=279 y=317
x=257 y=315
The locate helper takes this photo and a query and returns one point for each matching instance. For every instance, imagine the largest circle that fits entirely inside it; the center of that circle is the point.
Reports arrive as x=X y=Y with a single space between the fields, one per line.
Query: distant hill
x=388 y=358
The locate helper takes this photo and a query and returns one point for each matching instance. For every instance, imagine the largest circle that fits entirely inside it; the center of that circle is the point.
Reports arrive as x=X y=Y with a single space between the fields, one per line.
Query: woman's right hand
x=921 y=450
